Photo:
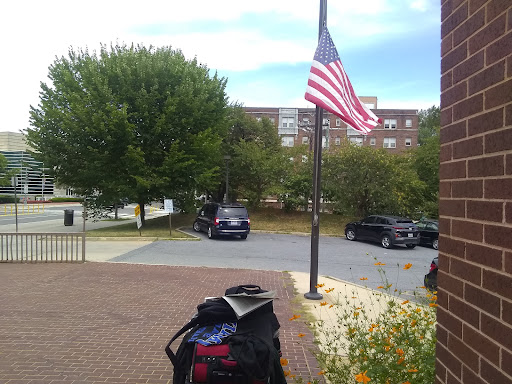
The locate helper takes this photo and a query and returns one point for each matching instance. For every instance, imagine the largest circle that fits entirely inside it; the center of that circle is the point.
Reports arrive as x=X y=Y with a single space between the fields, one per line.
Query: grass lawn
x=265 y=219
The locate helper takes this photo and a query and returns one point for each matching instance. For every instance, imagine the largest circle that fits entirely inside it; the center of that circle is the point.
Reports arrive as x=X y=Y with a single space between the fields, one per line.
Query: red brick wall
x=475 y=255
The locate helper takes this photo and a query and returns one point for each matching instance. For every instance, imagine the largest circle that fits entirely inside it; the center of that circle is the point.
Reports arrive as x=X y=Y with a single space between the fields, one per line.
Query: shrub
x=7 y=199
x=381 y=338
x=66 y=199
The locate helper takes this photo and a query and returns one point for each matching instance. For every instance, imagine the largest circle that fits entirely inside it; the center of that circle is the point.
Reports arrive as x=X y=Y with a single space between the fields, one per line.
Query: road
x=338 y=257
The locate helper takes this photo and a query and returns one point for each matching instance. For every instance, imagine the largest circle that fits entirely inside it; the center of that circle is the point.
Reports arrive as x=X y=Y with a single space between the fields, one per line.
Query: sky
x=389 y=48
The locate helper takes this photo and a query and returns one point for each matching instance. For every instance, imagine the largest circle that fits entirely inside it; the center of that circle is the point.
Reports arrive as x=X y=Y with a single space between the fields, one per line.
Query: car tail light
x=432 y=267
x=248 y=221
x=216 y=221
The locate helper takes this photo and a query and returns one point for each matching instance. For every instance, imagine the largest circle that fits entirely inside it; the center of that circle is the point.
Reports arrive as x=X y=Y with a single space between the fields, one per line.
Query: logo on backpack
x=213 y=336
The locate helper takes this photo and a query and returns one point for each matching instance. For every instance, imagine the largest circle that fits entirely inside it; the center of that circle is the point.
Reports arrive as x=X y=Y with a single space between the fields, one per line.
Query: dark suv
x=218 y=219
x=387 y=230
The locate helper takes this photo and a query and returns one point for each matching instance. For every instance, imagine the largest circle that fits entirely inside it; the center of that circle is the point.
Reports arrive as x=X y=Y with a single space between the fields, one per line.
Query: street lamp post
x=226 y=159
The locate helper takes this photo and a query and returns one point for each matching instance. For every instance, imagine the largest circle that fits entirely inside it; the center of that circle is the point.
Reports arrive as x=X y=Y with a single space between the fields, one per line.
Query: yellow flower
x=292 y=376
x=301 y=334
x=354 y=297
x=407 y=266
x=362 y=378
x=323 y=303
x=356 y=314
x=405 y=302
x=363 y=278
x=418 y=310
x=329 y=290
x=294 y=317
x=413 y=323
x=433 y=298
x=284 y=362
x=319 y=285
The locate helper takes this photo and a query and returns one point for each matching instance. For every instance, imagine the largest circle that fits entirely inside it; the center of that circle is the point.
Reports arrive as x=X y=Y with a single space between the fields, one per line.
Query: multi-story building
x=296 y=126
x=31 y=179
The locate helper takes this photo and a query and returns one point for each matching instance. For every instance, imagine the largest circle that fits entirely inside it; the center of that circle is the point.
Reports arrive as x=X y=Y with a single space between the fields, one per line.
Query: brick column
x=475 y=247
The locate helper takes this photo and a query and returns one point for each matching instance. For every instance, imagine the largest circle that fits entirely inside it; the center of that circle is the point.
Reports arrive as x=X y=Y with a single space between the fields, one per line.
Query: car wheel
x=210 y=233
x=435 y=244
x=244 y=236
x=386 y=241
x=196 y=227
x=411 y=246
x=350 y=234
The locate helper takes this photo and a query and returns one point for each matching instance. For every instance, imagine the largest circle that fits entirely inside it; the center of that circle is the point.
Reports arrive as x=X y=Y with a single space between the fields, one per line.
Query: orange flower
x=406 y=382
x=379 y=263
x=356 y=314
x=329 y=290
x=287 y=373
x=405 y=302
x=321 y=373
x=380 y=287
x=363 y=278
x=432 y=305
x=407 y=266
x=292 y=376
x=362 y=378
x=413 y=323
x=301 y=334
x=400 y=351
x=332 y=305
x=412 y=370
x=387 y=347
x=284 y=362
x=400 y=361
x=323 y=303
x=319 y=285
x=294 y=317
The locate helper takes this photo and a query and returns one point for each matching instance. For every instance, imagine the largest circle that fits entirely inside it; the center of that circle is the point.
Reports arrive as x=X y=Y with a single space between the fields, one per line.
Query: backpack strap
x=174 y=360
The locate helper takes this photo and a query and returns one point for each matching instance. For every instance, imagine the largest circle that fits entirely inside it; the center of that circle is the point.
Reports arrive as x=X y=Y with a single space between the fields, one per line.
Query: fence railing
x=31 y=209
x=42 y=247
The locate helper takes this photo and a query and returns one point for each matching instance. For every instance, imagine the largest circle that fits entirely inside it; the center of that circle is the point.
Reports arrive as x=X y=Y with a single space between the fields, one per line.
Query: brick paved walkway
x=109 y=322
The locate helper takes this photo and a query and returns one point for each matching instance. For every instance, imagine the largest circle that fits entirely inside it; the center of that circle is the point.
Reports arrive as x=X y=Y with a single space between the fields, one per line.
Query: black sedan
x=429 y=231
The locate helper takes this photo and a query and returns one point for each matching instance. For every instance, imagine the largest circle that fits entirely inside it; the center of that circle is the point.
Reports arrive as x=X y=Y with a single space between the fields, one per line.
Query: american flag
x=330 y=88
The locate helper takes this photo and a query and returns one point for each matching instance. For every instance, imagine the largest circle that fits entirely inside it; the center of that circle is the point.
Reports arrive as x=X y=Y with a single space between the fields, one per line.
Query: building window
x=357 y=140
x=337 y=140
x=408 y=141
x=305 y=120
x=326 y=122
x=390 y=124
x=408 y=123
x=288 y=122
x=273 y=120
x=305 y=140
x=287 y=141
x=338 y=122
x=373 y=141
x=389 y=142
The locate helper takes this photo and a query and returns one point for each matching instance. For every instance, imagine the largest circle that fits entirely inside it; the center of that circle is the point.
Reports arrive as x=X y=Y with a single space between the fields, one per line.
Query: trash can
x=68 y=217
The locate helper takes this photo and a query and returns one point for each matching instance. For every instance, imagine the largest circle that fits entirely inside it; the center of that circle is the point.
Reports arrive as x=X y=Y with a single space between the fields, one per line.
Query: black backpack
x=218 y=348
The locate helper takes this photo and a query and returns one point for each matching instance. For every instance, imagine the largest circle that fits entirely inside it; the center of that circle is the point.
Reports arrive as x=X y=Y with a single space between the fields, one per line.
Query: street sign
x=139 y=221
x=137 y=210
x=168 y=206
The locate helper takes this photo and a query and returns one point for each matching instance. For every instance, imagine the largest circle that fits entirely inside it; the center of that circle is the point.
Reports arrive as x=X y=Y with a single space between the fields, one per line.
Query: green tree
x=361 y=181
x=426 y=159
x=297 y=184
x=135 y=122
x=429 y=123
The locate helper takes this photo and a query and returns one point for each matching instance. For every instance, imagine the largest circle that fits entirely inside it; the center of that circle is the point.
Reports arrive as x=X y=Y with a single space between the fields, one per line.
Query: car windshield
x=404 y=221
x=233 y=212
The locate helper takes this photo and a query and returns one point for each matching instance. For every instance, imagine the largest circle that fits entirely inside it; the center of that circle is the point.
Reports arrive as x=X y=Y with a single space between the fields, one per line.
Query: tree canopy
x=131 y=122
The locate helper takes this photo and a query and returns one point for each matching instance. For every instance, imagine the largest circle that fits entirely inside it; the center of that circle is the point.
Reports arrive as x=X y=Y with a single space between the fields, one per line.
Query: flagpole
x=317 y=163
